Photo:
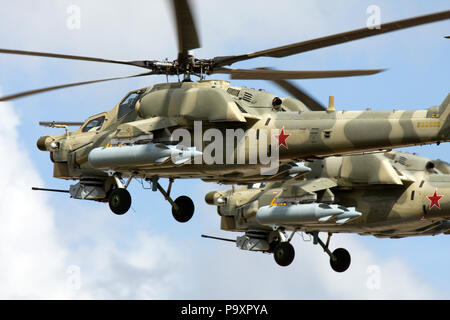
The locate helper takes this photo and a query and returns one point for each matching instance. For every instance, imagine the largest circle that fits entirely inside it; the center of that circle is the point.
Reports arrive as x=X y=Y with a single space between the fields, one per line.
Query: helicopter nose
x=43 y=143
x=215 y=198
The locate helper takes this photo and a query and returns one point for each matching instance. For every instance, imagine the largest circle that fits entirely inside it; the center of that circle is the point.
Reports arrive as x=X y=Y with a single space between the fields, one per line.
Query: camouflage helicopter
x=136 y=139
x=387 y=195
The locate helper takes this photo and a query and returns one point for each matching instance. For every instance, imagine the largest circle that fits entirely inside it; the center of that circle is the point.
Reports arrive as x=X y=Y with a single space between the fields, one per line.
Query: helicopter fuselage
x=236 y=133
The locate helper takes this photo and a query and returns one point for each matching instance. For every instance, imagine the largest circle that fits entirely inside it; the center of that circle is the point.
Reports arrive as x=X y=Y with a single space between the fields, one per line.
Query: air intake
x=247 y=97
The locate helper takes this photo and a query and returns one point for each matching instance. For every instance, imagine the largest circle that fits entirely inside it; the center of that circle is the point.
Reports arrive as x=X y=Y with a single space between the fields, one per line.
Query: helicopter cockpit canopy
x=128 y=104
x=256 y=185
x=94 y=124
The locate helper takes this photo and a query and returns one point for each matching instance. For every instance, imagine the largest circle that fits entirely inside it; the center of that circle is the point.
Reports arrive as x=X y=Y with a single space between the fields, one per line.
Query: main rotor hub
x=182 y=66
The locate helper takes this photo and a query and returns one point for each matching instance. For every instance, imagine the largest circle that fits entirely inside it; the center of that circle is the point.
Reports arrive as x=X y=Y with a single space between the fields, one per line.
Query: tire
x=119 y=201
x=284 y=254
x=185 y=209
x=342 y=261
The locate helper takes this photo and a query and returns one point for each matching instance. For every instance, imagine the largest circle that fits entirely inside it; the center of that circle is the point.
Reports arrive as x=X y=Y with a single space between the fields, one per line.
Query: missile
x=299 y=168
x=297 y=213
x=349 y=214
x=139 y=154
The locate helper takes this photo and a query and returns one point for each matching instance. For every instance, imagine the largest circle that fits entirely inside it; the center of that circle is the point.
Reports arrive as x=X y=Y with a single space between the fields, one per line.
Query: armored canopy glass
x=94 y=124
x=127 y=104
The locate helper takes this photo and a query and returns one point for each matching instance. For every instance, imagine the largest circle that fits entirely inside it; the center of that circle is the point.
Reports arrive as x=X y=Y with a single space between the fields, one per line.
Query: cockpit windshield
x=94 y=124
x=256 y=185
x=128 y=104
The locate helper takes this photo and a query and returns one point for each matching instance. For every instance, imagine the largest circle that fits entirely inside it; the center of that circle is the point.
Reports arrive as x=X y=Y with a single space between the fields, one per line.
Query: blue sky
x=182 y=264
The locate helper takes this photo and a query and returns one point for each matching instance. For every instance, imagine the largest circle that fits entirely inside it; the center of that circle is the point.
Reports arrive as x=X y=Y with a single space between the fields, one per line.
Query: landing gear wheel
x=284 y=254
x=342 y=261
x=119 y=201
x=185 y=209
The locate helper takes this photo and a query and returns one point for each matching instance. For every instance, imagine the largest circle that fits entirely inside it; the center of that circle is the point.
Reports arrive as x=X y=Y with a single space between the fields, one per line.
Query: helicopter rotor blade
x=68 y=85
x=299 y=47
x=141 y=64
x=267 y=74
x=300 y=94
x=186 y=30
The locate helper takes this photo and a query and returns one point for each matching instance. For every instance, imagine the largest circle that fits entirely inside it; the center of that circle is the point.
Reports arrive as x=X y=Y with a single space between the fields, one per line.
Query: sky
x=53 y=247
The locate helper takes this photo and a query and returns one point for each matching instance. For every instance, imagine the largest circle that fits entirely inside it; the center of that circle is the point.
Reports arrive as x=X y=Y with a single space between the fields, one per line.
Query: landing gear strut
x=120 y=199
x=183 y=206
x=339 y=259
x=282 y=249
x=284 y=253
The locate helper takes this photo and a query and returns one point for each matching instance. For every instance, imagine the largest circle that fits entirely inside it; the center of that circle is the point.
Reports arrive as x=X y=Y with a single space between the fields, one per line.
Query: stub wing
x=297 y=191
x=143 y=127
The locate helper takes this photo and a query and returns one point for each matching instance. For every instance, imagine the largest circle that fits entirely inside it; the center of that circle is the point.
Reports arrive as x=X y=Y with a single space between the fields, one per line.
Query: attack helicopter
x=386 y=195
x=148 y=134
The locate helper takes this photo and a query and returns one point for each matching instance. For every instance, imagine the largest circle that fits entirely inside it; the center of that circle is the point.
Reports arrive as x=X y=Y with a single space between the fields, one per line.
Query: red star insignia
x=282 y=137
x=434 y=199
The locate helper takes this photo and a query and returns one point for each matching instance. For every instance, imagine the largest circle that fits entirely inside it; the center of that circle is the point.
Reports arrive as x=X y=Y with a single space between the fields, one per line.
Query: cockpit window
x=256 y=185
x=128 y=104
x=94 y=124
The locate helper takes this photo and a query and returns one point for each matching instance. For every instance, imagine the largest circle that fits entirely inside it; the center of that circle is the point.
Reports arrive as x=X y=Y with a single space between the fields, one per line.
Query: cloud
x=35 y=259
x=28 y=239
x=144 y=267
